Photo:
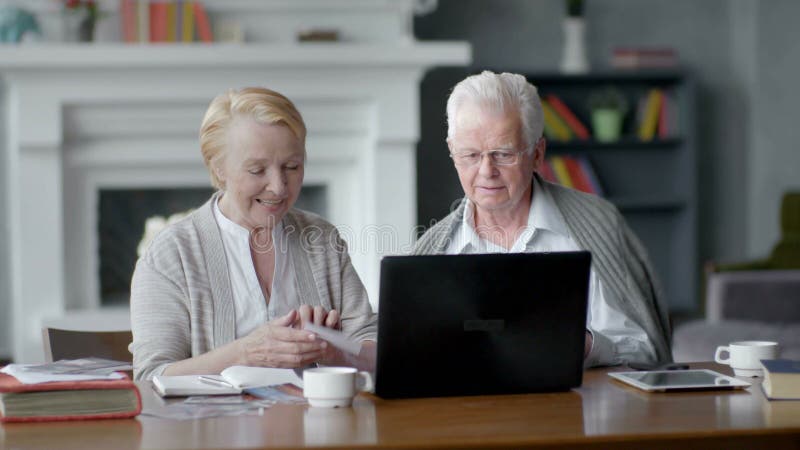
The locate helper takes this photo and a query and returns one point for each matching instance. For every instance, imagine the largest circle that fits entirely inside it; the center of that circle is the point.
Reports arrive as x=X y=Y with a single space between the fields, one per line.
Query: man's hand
x=587 y=344
x=277 y=344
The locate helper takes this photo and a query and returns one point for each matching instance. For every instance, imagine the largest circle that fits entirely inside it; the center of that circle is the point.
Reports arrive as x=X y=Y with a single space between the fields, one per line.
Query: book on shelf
x=188 y=21
x=67 y=400
x=577 y=128
x=670 y=125
x=649 y=114
x=204 y=32
x=546 y=171
x=579 y=179
x=142 y=20
x=591 y=176
x=662 y=129
x=571 y=171
x=232 y=380
x=158 y=22
x=781 y=379
x=554 y=127
x=560 y=169
x=644 y=58
x=127 y=14
x=164 y=21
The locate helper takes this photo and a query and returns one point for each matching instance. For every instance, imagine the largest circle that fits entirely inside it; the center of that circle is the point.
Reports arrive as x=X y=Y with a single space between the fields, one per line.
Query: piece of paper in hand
x=335 y=338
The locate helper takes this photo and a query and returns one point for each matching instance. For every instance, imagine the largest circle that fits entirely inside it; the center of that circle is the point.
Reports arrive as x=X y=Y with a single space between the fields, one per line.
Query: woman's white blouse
x=250 y=306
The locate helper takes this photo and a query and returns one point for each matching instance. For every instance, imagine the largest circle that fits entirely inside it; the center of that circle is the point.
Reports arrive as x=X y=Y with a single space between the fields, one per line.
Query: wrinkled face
x=492 y=187
x=262 y=171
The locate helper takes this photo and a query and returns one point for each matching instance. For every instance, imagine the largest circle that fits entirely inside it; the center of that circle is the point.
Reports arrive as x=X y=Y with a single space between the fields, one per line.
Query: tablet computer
x=679 y=380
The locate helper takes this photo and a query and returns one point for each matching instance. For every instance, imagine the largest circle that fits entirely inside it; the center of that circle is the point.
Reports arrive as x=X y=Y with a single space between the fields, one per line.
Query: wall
x=743 y=57
x=5 y=292
x=774 y=163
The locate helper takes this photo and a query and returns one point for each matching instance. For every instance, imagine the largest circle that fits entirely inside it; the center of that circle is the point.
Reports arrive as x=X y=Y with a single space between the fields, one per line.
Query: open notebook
x=238 y=377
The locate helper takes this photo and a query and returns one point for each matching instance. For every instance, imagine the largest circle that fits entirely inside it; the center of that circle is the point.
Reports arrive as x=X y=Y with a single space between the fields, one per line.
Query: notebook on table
x=481 y=324
x=232 y=380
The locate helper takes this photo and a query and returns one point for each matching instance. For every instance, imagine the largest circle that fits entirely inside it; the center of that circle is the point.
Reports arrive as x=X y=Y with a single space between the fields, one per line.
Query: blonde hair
x=263 y=105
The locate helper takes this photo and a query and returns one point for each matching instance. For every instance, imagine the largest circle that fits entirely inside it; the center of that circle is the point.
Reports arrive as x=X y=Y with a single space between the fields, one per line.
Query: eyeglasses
x=498 y=157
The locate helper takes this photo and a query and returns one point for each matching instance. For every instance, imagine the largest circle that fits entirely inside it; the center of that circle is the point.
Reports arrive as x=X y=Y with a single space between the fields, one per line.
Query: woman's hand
x=318 y=316
x=276 y=344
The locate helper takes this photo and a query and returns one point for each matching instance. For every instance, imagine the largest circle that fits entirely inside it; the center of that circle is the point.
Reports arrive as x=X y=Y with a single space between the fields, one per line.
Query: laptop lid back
x=481 y=324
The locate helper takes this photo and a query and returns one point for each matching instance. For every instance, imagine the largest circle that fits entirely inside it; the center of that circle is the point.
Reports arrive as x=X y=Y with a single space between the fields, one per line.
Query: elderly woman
x=233 y=282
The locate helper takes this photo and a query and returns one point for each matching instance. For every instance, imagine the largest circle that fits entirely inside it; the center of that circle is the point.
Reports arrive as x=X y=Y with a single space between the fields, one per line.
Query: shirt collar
x=235 y=230
x=542 y=214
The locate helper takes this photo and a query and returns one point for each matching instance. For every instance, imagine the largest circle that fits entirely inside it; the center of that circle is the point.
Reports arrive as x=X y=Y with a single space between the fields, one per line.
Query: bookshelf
x=653 y=183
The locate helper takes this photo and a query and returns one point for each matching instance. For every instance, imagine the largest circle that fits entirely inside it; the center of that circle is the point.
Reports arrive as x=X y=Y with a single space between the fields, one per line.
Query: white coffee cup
x=333 y=387
x=745 y=356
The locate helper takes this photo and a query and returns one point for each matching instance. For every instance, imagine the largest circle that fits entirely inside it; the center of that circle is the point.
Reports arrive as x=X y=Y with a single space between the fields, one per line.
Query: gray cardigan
x=181 y=301
x=618 y=257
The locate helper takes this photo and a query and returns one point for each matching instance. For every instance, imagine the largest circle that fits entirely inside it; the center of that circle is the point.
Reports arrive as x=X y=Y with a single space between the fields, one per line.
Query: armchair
x=752 y=300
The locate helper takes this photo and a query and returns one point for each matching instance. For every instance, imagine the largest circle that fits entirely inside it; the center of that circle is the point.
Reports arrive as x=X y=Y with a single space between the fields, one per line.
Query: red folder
x=9 y=384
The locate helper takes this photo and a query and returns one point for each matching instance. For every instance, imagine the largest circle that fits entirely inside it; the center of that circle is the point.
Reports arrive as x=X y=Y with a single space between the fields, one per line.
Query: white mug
x=745 y=356
x=332 y=387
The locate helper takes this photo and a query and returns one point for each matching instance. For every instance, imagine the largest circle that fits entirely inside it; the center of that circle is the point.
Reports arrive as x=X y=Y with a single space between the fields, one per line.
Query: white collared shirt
x=615 y=337
x=250 y=306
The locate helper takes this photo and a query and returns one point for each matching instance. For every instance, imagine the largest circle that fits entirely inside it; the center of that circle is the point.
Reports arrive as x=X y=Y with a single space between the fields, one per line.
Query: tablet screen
x=679 y=379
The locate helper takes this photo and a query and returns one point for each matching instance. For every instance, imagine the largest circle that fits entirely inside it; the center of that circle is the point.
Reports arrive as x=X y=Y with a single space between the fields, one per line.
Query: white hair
x=499 y=92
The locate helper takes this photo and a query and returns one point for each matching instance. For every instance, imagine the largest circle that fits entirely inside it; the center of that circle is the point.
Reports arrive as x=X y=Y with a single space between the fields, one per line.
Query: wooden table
x=601 y=414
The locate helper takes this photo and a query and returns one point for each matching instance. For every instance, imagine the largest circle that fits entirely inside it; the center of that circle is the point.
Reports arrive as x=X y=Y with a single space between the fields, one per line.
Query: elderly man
x=495 y=139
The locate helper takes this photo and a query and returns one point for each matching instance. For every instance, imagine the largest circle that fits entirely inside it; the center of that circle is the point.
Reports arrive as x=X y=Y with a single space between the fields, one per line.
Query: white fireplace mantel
x=81 y=118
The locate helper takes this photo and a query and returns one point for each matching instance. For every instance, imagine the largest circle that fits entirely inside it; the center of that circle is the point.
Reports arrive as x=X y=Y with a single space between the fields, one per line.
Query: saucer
x=748 y=372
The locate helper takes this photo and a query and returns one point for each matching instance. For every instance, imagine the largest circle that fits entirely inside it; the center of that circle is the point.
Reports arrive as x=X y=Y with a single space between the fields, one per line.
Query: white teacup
x=333 y=387
x=745 y=356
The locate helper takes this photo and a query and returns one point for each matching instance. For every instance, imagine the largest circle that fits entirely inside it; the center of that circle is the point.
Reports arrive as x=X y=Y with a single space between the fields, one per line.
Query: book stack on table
x=781 y=379
x=89 y=388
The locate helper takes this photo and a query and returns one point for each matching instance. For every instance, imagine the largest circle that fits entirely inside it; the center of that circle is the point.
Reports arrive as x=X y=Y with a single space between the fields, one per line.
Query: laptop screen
x=481 y=324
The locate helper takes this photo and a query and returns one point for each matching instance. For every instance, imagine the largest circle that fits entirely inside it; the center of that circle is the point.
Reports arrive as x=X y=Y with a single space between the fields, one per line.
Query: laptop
x=481 y=324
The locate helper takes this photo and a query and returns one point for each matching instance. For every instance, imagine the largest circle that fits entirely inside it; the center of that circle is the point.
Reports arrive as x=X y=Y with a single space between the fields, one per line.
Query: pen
x=215 y=382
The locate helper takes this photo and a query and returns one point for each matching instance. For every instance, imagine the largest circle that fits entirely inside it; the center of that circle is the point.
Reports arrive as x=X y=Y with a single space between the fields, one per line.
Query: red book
x=546 y=171
x=203 y=24
x=663 y=119
x=578 y=129
x=68 y=400
x=590 y=175
x=579 y=179
x=159 y=21
x=128 y=19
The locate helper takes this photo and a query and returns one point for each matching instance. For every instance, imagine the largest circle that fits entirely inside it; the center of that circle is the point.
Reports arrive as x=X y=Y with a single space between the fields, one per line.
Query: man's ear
x=538 y=153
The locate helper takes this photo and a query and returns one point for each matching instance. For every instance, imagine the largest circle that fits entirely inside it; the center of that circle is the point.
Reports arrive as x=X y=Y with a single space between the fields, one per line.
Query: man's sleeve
x=616 y=339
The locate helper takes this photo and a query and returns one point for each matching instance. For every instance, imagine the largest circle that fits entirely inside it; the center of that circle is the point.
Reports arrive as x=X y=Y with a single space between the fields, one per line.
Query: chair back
x=73 y=344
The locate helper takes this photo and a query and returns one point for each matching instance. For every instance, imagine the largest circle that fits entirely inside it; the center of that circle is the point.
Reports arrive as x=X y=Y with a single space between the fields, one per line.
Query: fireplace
x=122 y=214
x=84 y=122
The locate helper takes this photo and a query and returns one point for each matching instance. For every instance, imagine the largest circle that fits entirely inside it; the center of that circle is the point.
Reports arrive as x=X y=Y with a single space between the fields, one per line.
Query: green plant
x=574 y=8
x=608 y=97
x=89 y=6
x=88 y=13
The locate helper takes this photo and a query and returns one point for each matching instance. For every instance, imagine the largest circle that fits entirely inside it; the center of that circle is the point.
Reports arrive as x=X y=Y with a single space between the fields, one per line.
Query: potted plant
x=573 y=58
x=608 y=107
x=82 y=17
